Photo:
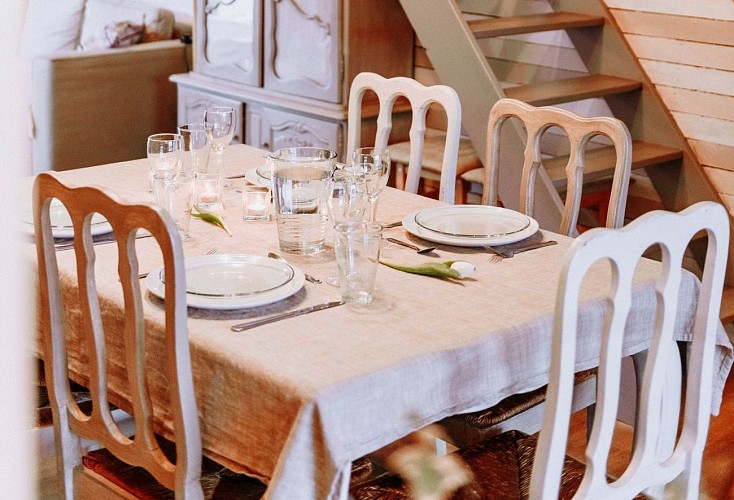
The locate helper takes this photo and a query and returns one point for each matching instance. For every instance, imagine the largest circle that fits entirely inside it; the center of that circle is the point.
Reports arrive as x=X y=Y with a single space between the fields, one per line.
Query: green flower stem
x=211 y=218
x=436 y=269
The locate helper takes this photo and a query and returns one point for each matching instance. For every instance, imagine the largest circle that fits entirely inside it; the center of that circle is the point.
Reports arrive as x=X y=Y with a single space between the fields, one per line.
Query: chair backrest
x=579 y=130
x=388 y=90
x=658 y=459
x=70 y=422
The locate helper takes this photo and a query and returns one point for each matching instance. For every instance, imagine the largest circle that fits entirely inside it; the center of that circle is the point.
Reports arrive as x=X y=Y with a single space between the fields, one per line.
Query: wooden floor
x=718 y=460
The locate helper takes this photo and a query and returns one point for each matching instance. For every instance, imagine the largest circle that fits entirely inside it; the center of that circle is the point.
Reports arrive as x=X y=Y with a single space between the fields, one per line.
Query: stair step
x=600 y=161
x=571 y=89
x=515 y=25
x=727 y=305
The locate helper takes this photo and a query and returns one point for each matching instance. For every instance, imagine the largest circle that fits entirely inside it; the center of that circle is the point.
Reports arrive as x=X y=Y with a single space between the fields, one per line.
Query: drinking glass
x=374 y=165
x=357 y=247
x=348 y=202
x=174 y=194
x=164 y=156
x=196 y=146
x=222 y=120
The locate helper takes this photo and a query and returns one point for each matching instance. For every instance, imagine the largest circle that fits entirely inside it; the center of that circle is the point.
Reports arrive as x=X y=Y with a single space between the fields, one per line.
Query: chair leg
x=461 y=190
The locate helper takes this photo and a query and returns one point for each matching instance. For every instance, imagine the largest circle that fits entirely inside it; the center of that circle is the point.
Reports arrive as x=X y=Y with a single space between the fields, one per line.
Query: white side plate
x=232 y=281
x=259 y=176
x=61 y=222
x=470 y=225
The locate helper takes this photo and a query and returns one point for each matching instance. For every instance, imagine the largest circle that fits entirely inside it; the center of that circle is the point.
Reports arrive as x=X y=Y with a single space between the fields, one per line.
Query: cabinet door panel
x=227 y=40
x=192 y=104
x=302 y=50
x=279 y=129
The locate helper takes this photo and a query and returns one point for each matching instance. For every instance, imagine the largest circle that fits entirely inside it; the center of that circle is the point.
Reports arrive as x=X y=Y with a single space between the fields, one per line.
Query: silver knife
x=291 y=314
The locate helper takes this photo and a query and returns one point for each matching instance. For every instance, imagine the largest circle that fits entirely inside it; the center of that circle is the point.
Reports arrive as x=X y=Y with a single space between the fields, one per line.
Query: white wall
x=17 y=477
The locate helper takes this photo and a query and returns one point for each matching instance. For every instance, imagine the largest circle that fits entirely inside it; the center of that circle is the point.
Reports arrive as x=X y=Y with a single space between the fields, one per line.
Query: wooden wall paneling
x=704 y=128
x=698 y=103
x=728 y=201
x=717 y=155
x=683 y=52
x=689 y=77
x=722 y=179
x=713 y=9
x=694 y=29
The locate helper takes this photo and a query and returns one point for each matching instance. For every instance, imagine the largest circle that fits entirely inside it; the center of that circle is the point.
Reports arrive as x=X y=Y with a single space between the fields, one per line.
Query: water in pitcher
x=300 y=194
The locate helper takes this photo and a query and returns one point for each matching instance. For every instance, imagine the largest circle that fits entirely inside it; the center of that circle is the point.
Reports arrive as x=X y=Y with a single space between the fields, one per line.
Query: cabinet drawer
x=192 y=103
x=273 y=129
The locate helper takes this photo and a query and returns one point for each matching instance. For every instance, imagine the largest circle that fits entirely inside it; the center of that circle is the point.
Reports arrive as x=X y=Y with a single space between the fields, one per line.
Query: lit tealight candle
x=257 y=207
x=256 y=203
x=209 y=197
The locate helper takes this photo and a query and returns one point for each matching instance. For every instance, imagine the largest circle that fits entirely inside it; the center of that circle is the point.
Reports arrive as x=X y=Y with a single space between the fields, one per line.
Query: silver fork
x=498 y=256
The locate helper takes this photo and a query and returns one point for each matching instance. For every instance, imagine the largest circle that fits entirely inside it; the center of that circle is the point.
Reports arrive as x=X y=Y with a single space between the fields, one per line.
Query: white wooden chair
x=388 y=90
x=524 y=411
x=664 y=463
x=119 y=466
x=580 y=130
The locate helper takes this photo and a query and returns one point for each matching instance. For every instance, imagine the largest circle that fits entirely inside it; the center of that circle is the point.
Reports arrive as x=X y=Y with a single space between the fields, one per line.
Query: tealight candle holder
x=208 y=192
x=255 y=203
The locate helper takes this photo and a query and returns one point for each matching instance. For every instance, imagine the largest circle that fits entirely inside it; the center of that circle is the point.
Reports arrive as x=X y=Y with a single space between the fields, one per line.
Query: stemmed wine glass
x=374 y=165
x=164 y=156
x=222 y=121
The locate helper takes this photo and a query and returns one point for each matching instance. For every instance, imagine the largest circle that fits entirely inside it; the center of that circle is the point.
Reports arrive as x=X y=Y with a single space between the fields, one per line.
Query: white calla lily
x=465 y=269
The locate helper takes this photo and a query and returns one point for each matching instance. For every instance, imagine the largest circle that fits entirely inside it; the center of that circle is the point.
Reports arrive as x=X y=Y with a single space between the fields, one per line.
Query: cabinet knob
x=266 y=145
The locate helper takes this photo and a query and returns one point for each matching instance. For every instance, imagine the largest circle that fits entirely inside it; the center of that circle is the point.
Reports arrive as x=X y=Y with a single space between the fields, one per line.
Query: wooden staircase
x=451 y=44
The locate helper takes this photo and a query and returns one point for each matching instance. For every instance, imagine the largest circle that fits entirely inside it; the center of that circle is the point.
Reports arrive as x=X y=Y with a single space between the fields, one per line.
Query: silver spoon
x=422 y=251
x=308 y=277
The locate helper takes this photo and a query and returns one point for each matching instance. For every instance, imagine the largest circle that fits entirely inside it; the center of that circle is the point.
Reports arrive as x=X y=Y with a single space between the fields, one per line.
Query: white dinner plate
x=61 y=222
x=232 y=281
x=470 y=225
x=259 y=176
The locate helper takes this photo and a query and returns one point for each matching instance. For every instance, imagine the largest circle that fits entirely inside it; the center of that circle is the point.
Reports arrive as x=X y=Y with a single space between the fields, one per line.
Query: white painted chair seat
x=432 y=164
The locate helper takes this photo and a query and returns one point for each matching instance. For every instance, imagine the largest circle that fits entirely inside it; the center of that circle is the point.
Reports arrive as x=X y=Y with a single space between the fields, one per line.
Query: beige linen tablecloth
x=296 y=401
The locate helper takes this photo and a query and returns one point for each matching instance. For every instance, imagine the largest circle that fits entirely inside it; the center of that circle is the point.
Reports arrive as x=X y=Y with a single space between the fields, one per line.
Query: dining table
x=294 y=402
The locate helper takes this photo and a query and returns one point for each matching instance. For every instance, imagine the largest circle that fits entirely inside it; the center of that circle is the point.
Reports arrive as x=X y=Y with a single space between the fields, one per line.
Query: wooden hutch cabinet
x=286 y=65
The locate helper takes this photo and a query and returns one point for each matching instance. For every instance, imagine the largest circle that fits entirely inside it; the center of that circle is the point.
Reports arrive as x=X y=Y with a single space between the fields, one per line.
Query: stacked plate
x=234 y=281
x=259 y=176
x=61 y=222
x=470 y=225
